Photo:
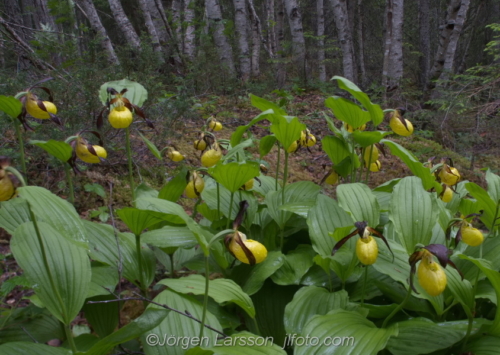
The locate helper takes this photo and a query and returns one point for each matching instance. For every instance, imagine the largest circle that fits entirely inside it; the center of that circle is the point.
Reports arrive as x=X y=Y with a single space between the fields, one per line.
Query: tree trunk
x=157 y=13
x=280 y=32
x=177 y=20
x=155 y=41
x=224 y=49
x=271 y=28
x=425 y=46
x=298 y=40
x=341 y=17
x=189 y=34
x=320 y=32
x=256 y=41
x=240 y=22
x=393 y=54
x=449 y=35
x=90 y=12
x=361 y=44
x=124 y=24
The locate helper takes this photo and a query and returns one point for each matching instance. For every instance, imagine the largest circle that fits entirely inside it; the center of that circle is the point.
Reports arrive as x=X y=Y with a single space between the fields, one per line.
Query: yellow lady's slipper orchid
x=371 y=154
x=367 y=250
x=447 y=194
x=7 y=188
x=332 y=178
x=248 y=185
x=449 y=175
x=258 y=250
x=195 y=186
x=351 y=129
x=34 y=109
x=214 y=125
x=211 y=156
x=82 y=151
x=431 y=275
x=375 y=166
x=120 y=117
x=471 y=236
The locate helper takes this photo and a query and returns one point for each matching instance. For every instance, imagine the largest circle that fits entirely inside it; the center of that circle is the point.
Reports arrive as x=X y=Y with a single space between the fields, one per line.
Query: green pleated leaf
x=491 y=250
x=494 y=278
x=104 y=280
x=28 y=323
x=412 y=213
x=486 y=345
x=13 y=213
x=238 y=151
x=251 y=278
x=359 y=200
x=376 y=113
x=221 y=290
x=17 y=348
x=485 y=203
x=136 y=93
x=323 y=219
x=367 y=138
x=243 y=343
x=63 y=288
x=416 y=167
x=151 y=146
x=336 y=148
x=138 y=220
x=266 y=144
x=174 y=189
x=58 y=149
x=240 y=131
x=103 y=247
x=11 y=106
x=493 y=185
x=308 y=302
x=170 y=237
x=300 y=208
x=297 y=263
x=103 y=317
x=302 y=191
x=264 y=105
x=347 y=111
x=461 y=290
x=344 y=332
x=286 y=131
x=422 y=336
x=55 y=211
x=147 y=321
x=177 y=333
x=234 y=175
x=265 y=184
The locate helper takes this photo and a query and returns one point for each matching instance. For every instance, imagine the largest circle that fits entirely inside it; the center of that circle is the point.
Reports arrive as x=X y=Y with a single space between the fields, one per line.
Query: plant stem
x=143 y=287
x=172 y=267
x=256 y=325
x=352 y=160
x=365 y=279
x=195 y=208
x=278 y=167
x=71 y=198
x=218 y=201
x=69 y=337
x=399 y=307
x=21 y=149
x=230 y=210
x=205 y=298
x=369 y=164
x=474 y=291
x=130 y=171
x=285 y=178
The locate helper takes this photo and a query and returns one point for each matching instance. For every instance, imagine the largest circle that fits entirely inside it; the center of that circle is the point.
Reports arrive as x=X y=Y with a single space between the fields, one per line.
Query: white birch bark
x=214 y=15
x=321 y=42
x=298 y=40
x=341 y=18
x=157 y=13
x=155 y=41
x=177 y=20
x=124 y=24
x=271 y=27
x=256 y=42
x=90 y=12
x=189 y=34
x=241 y=25
x=395 y=54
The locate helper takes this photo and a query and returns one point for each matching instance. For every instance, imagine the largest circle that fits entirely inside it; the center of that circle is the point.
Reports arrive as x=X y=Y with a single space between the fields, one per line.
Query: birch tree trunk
x=189 y=35
x=271 y=27
x=280 y=33
x=155 y=41
x=449 y=36
x=393 y=54
x=298 y=40
x=424 y=43
x=240 y=22
x=177 y=20
x=341 y=18
x=157 y=13
x=256 y=41
x=90 y=13
x=224 y=49
x=320 y=32
x=124 y=24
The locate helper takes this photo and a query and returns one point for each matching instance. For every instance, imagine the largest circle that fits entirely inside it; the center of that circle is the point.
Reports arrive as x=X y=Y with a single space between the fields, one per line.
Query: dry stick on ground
x=144 y=299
